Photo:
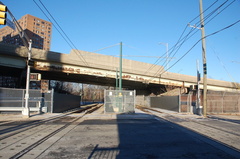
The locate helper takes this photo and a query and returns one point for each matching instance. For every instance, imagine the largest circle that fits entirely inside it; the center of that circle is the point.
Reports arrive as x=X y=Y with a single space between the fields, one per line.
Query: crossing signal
x=3 y=14
x=35 y=77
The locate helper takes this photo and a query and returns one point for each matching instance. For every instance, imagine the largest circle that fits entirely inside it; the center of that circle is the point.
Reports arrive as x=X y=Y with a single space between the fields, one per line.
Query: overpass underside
x=140 y=87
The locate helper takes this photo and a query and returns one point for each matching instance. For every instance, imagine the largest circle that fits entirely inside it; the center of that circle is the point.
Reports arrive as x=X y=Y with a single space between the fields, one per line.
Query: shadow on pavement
x=153 y=138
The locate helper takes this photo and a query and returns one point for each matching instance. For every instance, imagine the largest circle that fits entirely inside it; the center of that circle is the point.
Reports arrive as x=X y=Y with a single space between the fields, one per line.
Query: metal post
x=120 y=67
x=204 y=61
x=119 y=100
x=26 y=111
x=116 y=78
x=52 y=96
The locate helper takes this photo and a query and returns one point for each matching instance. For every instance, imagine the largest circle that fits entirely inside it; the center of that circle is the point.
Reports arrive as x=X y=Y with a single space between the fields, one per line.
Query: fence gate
x=119 y=101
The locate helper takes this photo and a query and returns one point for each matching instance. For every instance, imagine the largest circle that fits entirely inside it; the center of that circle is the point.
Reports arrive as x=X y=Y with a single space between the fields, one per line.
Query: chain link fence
x=14 y=100
x=119 y=101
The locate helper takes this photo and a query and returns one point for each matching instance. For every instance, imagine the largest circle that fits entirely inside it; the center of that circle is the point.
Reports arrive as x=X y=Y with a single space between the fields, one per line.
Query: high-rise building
x=37 y=29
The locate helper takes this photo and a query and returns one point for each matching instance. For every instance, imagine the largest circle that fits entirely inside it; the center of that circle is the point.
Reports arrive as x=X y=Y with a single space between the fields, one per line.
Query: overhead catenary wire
x=208 y=16
x=106 y=47
x=62 y=33
x=127 y=55
x=132 y=47
x=236 y=62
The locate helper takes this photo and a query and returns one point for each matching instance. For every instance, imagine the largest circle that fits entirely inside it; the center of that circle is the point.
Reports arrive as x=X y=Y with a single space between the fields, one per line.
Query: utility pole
x=26 y=111
x=120 y=68
x=204 y=60
x=199 y=110
x=116 y=78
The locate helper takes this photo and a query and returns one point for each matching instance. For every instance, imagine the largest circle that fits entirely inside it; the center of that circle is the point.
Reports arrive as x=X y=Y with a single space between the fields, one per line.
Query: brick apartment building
x=37 y=29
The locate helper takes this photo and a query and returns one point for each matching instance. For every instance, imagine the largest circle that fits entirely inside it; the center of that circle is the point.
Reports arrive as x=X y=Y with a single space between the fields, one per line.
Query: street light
x=167 y=61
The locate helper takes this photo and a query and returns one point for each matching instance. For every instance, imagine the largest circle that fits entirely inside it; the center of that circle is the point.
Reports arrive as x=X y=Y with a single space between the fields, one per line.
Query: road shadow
x=153 y=138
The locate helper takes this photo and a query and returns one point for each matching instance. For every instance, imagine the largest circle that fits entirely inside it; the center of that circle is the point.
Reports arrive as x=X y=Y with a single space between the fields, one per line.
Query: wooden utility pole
x=204 y=61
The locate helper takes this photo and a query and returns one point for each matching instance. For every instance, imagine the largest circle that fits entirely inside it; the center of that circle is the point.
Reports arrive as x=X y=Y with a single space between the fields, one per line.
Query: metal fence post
x=23 y=98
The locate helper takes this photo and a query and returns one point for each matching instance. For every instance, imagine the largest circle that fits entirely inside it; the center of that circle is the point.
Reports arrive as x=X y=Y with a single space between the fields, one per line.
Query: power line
x=181 y=41
x=224 y=67
x=220 y=10
x=229 y=26
x=188 y=36
x=177 y=46
x=66 y=38
x=81 y=57
x=155 y=75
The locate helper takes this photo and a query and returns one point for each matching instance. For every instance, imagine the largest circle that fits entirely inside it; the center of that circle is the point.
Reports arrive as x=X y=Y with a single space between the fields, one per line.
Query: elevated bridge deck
x=87 y=67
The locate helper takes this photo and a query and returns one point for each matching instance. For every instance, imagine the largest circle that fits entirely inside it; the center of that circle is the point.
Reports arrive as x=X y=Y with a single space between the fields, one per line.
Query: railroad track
x=30 y=124
x=206 y=127
x=18 y=143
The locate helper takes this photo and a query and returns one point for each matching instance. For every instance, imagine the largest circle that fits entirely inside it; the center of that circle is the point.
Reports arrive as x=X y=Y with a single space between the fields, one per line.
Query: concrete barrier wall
x=64 y=102
x=165 y=102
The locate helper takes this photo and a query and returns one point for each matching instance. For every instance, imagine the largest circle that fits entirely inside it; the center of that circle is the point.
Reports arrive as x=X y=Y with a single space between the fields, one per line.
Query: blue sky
x=141 y=25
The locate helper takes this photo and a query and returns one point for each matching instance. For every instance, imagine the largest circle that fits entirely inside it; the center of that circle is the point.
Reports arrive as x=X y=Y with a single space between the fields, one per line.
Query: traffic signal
x=35 y=77
x=3 y=14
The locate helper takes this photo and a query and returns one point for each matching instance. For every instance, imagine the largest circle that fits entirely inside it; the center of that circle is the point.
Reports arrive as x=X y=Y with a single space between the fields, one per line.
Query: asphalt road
x=134 y=139
x=129 y=136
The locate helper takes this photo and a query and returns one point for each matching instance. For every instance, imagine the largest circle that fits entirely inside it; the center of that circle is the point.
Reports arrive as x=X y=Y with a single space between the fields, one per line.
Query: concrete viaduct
x=87 y=67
